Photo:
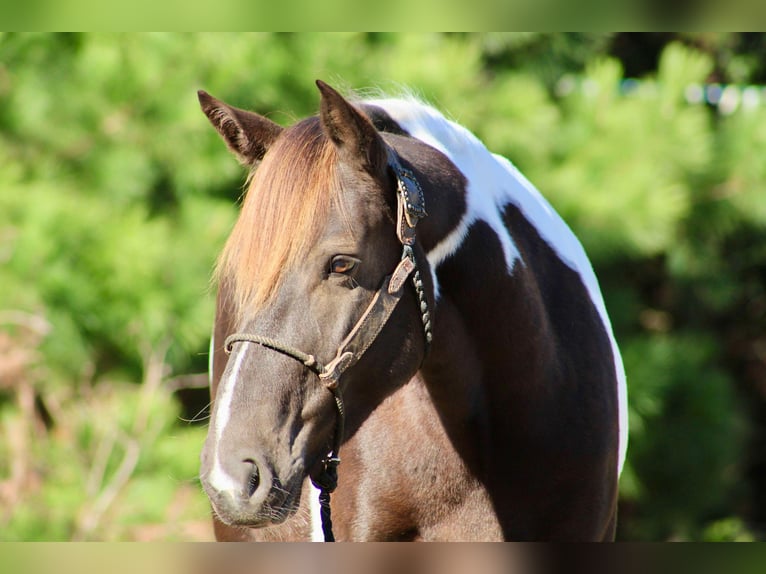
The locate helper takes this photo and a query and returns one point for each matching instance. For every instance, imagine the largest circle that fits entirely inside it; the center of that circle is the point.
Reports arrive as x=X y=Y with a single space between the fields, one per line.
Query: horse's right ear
x=352 y=132
x=247 y=134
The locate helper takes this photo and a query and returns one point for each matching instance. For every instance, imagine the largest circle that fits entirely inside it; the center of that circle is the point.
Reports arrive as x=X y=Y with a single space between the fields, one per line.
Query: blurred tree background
x=115 y=197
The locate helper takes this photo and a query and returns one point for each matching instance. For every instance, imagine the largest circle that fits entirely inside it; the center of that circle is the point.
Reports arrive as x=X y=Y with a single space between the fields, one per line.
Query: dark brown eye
x=342 y=264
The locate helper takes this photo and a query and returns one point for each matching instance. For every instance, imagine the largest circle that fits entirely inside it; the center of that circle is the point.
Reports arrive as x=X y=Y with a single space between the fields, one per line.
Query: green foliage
x=662 y=143
x=683 y=433
x=118 y=460
x=727 y=530
x=117 y=196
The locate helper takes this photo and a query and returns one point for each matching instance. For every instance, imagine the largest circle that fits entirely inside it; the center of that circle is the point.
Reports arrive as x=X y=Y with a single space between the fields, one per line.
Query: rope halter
x=411 y=208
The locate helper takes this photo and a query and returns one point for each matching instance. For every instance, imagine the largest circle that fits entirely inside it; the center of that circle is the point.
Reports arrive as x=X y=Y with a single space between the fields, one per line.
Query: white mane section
x=493 y=183
x=483 y=201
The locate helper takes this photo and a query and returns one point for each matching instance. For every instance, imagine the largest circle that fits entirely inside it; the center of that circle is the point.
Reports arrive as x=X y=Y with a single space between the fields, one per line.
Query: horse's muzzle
x=252 y=497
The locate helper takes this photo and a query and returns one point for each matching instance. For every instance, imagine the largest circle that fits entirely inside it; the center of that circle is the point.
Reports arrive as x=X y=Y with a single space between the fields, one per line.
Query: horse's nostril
x=254 y=482
x=254 y=479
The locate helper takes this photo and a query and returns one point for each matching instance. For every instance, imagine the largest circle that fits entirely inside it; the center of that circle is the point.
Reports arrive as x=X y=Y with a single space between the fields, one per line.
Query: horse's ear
x=352 y=133
x=247 y=134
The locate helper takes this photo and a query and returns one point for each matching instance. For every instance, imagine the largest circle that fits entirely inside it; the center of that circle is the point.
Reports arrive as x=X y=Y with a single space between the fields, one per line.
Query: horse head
x=323 y=235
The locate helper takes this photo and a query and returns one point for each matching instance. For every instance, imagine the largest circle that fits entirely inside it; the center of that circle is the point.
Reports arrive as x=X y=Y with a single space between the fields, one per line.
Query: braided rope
x=308 y=360
x=425 y=315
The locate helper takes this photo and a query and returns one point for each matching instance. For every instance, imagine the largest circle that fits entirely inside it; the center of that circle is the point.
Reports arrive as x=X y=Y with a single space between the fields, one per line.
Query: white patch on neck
x=219 y=478
x=493 y=183
x=317 y=535
x=484 y=199
x=563 y=241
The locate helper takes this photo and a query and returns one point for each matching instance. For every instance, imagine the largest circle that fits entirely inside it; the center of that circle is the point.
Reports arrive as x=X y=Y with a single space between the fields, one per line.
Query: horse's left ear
x=247 y=134
x=356 y=139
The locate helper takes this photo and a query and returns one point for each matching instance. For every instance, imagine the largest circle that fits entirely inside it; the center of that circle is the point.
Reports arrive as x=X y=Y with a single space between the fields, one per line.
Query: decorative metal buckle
x=409 y=191
x=412 y=195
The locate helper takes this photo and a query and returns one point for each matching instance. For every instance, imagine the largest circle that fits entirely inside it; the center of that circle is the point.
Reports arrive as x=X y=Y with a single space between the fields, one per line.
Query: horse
x=393 y=288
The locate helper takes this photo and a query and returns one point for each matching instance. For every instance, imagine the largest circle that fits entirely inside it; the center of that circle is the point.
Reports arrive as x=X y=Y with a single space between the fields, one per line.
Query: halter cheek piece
x=410 y=210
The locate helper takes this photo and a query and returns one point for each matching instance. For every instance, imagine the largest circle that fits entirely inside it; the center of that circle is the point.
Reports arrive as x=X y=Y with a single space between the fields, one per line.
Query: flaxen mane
x=288 y=197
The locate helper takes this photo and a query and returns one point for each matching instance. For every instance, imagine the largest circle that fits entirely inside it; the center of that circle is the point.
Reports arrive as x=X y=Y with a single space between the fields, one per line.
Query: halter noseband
x=410 y=210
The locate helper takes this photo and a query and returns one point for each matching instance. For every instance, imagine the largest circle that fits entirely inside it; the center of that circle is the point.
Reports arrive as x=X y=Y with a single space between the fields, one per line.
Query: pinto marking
x=317 y=534
x=493 y=183
x=484 y=202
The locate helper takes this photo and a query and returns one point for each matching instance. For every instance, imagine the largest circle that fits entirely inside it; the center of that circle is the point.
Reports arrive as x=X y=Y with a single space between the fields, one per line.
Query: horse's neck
x=490 y=348
x=453 y=374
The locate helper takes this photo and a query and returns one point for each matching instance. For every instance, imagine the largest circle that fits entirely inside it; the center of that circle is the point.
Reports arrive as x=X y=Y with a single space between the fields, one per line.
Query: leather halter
x=410 y=210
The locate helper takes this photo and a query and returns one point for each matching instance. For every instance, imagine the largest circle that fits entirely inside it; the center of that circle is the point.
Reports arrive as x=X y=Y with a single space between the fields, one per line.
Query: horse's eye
x=343 y=264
